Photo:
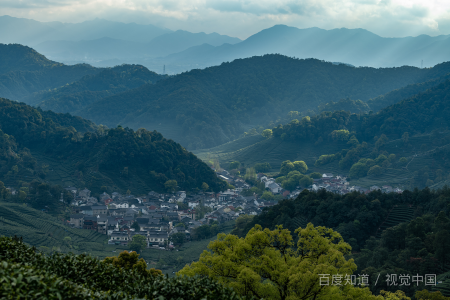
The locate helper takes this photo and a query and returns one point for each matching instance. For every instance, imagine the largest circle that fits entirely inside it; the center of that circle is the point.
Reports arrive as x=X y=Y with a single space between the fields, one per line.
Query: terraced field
x=443 y=287
x=300 y=221
x=398 y=214
x=256 y=149
x=40 y=229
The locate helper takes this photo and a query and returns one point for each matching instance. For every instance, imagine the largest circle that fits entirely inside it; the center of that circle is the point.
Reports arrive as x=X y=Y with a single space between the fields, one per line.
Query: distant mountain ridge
x=103 y=43
x=109 y=48
x=31 y=32
x=23 y=71
x=26 y=75
x=106 y=44
x=358 y=47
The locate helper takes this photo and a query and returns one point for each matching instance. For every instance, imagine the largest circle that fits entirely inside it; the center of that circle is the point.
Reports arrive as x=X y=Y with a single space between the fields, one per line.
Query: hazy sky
x=242 y=18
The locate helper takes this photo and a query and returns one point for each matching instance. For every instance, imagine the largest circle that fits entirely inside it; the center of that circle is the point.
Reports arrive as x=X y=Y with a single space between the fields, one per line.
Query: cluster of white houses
x=156 y=216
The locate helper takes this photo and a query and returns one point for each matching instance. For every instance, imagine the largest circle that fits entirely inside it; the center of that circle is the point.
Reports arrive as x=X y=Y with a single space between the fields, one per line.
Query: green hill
x=215 y=105
x=43 y=230
x=91 y=88
x=28 y=76
x=23 y=71
x=413 y=131
x=15 y=57
x=38 y=147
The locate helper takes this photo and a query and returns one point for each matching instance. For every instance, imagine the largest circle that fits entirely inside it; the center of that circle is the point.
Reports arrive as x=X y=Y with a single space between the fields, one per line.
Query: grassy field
x=47 y=233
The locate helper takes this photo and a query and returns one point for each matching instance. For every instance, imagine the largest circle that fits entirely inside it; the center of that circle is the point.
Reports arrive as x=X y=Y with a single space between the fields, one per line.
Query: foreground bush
x=27 y=274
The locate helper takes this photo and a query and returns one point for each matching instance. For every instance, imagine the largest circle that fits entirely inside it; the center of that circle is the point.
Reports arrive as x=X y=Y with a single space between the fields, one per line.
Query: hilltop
x=91 y=88
x=24 y=71
x=40 y=147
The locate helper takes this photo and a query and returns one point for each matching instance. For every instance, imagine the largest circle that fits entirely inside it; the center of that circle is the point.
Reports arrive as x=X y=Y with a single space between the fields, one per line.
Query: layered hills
x=358 y=47
x=68 y=150
x=31 y=32
x=26 y=75
x=23 y=71
x=205 y=108
x=107 y=48
x=103 y=43
x=412 y=133
x=91 y=88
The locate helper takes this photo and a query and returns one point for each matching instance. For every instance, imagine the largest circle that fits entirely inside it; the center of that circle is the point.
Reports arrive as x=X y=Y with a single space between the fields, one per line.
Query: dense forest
x=100 y=158
x=405 y=233
x=91 y=88
x=23 y=71
x=421 y=113
x=203 y=108
x=28 y=76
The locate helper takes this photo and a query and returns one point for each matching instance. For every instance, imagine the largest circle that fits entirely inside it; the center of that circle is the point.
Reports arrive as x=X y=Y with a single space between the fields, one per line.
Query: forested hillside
x=38 y=147
x=203 y=108
x=389 y=233
x=91 y=88
x=24 y=71
x=406 y=144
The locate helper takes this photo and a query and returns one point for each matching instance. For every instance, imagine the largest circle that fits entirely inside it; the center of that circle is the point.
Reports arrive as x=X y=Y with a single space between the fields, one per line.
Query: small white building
x=193 y=204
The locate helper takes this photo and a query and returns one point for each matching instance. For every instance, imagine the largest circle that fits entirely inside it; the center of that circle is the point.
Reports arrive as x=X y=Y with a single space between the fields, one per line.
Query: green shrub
x=26 y=273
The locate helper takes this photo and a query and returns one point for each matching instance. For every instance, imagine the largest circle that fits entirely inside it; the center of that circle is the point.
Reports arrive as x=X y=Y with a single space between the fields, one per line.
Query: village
x=158 y=217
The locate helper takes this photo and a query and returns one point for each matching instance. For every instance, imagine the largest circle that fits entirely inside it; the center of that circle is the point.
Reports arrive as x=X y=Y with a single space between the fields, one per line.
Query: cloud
x=26 y=4
x=242 y=18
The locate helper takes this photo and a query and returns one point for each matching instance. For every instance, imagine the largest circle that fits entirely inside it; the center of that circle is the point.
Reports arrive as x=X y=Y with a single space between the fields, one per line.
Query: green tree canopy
x=178 y=238
x=375 y=170
x=241 y=224
x=266 y=265
x=315 y=175
x=262 y=167
x=300 y=166
x=138 y=243
x=234 y=165
x=267 y=133
x=267 y=196
x=286 y=167
x=171 y=185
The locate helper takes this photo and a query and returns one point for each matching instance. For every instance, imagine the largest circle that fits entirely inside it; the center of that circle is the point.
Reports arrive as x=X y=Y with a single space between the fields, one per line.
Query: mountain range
x=358 y=47
x=31 y=32
x=104 y=43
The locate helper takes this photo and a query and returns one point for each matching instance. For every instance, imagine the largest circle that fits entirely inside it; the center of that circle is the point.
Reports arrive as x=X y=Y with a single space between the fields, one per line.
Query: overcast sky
x=242 y=18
